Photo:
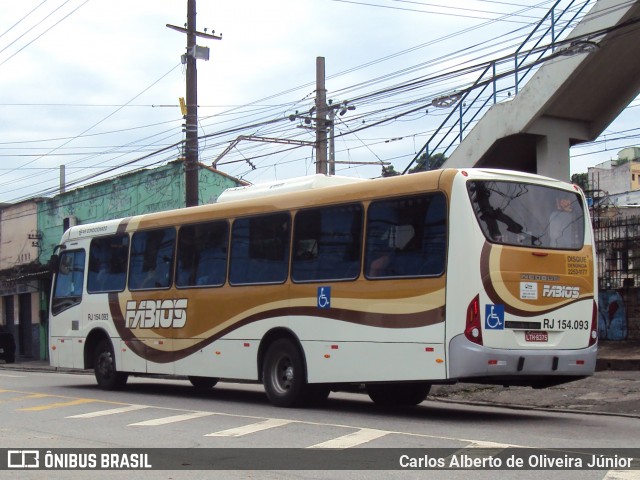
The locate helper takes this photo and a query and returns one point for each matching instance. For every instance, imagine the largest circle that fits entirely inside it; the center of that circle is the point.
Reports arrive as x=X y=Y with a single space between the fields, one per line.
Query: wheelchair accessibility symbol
x=494 y=317
x=324 y=297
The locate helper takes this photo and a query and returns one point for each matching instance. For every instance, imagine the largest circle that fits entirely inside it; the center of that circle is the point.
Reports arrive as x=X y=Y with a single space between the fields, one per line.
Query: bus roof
x=303 y=192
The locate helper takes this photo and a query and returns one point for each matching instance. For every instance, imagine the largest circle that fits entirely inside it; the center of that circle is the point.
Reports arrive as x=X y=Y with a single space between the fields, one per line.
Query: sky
x=94 y=85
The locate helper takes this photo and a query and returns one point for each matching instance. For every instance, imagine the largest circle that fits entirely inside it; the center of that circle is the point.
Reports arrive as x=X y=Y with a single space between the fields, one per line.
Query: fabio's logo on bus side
x=157 y=313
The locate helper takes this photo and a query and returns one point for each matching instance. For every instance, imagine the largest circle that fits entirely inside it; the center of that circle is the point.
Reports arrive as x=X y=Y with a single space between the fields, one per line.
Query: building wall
x=629 y=154
x=137 y=193
x=19 y=235
x=611 y=180
x=142 y=192
x=635 y=176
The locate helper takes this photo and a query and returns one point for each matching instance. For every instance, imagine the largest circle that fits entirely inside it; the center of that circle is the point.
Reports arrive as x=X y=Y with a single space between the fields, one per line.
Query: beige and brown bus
x=326 y=283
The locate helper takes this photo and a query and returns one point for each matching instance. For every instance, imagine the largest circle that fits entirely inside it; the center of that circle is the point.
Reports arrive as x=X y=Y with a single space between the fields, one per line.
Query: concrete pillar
x=552 y=156
x=555 y=137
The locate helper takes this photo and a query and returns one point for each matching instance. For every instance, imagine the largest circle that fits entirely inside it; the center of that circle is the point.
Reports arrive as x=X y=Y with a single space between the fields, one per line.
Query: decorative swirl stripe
x=377 y=320
x=486 y=258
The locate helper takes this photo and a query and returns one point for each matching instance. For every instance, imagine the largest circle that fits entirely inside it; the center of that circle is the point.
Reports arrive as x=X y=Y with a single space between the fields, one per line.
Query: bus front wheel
x=398 y=394
x=104 y=367
x=283 y=374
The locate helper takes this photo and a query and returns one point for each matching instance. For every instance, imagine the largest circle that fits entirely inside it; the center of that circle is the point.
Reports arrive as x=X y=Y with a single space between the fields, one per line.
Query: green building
x=30 y=230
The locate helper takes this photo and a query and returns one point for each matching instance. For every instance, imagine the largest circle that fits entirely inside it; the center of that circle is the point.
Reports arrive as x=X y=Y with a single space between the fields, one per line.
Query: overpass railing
x=492 y=85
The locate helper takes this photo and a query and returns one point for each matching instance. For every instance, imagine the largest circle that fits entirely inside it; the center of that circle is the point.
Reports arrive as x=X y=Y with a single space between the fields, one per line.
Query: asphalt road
x=60 y=410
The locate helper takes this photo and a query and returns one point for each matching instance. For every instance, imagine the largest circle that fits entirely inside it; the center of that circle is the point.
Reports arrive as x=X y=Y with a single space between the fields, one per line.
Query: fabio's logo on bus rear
x=157 y=313
x=560 y=291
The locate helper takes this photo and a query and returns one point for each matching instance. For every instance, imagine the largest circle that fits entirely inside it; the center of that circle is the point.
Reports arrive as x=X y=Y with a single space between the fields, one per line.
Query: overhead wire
x=267 y=127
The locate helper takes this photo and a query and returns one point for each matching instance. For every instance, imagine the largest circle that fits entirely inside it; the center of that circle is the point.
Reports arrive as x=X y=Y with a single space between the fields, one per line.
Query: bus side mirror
x=54 y=263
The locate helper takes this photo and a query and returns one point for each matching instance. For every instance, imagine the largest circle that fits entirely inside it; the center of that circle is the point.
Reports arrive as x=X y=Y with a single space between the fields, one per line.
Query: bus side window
x=202 y=254
x=406 y=237
x=152 y=259
x=327 y=243
x=260 y=249
x=108 y=264
x=69 y=283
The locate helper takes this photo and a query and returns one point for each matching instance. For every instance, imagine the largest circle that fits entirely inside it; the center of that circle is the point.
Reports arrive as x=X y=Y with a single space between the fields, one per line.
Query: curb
x=617 y=364
x=511 y=406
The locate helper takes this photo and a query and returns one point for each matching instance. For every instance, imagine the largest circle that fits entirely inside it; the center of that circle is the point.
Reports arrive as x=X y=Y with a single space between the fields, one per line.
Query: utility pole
x=321 y=118
x=191 y=144
x=63 y=181
x=194 y=52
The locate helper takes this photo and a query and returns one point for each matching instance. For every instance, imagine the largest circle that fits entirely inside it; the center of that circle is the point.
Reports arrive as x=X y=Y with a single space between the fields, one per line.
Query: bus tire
x=203 y=383
x=398 y=394
x=104 y=367
x=283 y=374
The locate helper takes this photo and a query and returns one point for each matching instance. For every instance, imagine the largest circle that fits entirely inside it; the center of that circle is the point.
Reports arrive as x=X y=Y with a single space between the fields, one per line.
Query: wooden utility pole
x=321 y=118
x=194 y=52
x=191 y=144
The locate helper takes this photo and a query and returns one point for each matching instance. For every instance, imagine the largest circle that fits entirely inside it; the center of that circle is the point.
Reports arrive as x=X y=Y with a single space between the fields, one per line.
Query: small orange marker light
x=439 y=360
x=326 y=355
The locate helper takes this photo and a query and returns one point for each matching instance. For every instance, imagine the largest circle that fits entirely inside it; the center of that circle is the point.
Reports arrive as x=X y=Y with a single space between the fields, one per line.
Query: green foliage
x=431 y=162
x=581 y=179
x=422 y=164
x=389 y=171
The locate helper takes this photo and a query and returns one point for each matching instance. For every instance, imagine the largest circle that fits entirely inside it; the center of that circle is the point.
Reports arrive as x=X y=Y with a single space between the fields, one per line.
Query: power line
x=44 y=32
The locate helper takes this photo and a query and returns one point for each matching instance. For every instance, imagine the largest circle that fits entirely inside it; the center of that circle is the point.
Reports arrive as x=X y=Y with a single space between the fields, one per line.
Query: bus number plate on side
x=536 y=336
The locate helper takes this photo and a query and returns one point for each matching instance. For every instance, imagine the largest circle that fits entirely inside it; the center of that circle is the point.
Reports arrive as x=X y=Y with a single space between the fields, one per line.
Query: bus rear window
x=513 y=213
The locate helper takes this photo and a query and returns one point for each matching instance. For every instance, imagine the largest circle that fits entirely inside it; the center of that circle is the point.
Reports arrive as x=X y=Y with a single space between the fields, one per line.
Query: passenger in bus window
x=561 y=229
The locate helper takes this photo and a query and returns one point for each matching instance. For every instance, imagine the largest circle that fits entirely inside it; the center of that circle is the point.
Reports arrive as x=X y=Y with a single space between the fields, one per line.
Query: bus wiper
x=535 y=241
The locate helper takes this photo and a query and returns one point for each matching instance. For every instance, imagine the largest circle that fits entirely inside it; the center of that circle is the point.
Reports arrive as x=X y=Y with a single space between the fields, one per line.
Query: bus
x=386 y=286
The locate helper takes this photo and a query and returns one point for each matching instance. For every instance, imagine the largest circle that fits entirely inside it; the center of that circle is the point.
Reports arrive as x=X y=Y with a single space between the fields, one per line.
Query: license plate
x=531 y=336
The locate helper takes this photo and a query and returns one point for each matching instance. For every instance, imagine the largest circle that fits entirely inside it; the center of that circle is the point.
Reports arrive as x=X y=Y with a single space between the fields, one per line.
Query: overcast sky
x=94 y=84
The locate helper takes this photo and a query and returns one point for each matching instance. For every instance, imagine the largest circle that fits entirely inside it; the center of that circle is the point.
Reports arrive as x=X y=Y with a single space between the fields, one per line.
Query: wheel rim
x=282 y=375
x=105 y=365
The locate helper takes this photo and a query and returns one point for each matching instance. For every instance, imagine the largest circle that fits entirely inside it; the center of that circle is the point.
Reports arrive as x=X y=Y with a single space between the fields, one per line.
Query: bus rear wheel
x=283 y=374
x=104 y=367
x=398 y=394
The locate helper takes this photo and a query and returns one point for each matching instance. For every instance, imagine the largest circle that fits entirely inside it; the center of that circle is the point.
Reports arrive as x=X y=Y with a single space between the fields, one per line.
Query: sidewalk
x=613 y=390
x=623 y=355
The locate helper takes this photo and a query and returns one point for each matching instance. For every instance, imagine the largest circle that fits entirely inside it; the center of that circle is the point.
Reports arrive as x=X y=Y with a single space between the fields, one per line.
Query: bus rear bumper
x=538 y=368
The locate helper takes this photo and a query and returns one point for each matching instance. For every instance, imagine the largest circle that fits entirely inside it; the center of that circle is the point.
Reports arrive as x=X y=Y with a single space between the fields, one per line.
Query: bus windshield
x=514 y=213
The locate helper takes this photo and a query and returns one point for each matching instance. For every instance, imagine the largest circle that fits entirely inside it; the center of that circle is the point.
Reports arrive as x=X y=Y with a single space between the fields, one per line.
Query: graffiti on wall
x=612 y=316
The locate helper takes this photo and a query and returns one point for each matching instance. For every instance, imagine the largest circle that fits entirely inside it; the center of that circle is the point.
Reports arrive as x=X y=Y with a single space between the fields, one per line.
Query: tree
x=430 y=162
x=582 y=180
x=389 y=171
x=423 y=163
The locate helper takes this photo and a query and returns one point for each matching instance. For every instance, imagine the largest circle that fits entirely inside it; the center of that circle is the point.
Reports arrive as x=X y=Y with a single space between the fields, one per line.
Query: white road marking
x=113 y=411
x=251 y=428
x=622 y=475
x=353 y=439
x=174 y=419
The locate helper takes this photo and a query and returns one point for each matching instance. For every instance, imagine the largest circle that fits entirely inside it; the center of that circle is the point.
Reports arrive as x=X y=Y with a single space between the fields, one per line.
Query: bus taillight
x=593 y=334
x=472 y=330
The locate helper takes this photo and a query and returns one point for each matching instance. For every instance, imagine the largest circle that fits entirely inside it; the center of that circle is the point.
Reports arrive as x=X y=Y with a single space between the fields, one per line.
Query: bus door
x=66 y=310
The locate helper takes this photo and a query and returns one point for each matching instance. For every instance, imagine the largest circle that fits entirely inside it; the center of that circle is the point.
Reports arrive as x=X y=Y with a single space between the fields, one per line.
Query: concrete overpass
x=569 y=100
